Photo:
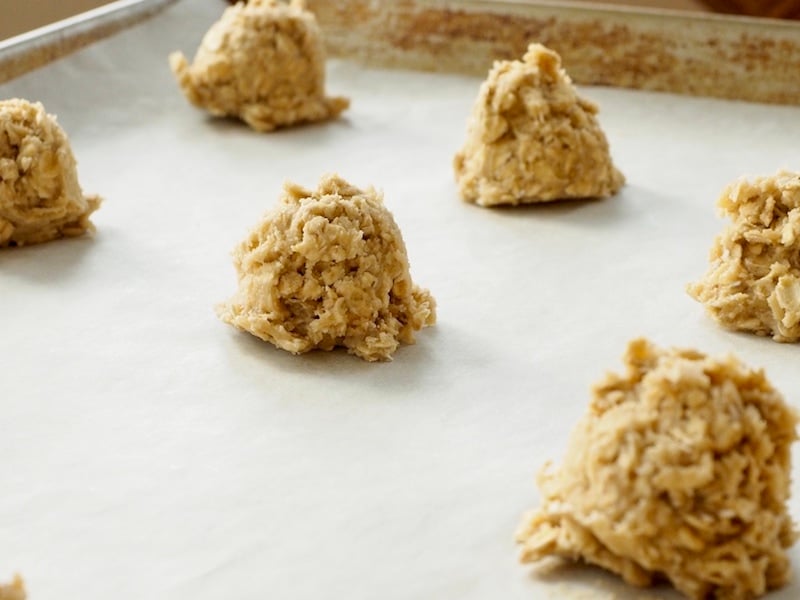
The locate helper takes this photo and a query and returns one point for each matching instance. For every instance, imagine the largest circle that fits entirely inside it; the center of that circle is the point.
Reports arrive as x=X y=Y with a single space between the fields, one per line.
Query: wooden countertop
x=26 y=16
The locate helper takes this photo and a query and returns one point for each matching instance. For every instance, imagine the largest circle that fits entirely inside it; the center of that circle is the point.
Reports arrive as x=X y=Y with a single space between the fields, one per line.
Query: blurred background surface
x=20 y=16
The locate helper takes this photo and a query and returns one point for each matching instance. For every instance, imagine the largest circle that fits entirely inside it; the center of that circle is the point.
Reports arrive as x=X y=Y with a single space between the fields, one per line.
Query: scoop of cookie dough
x=40 y=198
x=531 y=138
x=328 y=268
x=262 y=62
x=680 y=470
x=753 y=283
x=14 y=590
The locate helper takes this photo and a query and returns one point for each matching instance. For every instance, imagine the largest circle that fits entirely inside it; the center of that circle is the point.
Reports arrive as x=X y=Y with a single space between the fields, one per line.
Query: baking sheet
x=151 y=451
x=719 y=56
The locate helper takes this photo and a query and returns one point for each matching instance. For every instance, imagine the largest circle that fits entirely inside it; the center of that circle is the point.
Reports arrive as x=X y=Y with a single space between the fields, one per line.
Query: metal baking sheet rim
x=728 y=57
x=29 y=51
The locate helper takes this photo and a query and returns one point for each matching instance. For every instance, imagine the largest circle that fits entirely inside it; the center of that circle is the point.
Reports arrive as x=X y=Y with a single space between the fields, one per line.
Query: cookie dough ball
x=679 y=470
x=754 y=280
x=262 y=62
x=531 y=138
x=328 y=268
x=40 y=198
x=13 y=591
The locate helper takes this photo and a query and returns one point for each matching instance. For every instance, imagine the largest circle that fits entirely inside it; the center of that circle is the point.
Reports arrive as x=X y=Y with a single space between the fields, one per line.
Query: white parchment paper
x=149 y=451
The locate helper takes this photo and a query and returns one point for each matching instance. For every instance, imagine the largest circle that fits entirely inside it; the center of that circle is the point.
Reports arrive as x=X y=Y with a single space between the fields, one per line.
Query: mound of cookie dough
x=679 y=470
x=753 y=283
x=328 y=268
x=531 y=138
x=40 y=198
x=262 y=62
x=14 y=590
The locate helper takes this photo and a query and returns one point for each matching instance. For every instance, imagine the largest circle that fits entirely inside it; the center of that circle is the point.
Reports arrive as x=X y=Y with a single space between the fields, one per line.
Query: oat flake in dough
x=14 y=590
x=679 y=470
x=328 y=268
x=753 y=283
x=40 y=198
x=262 y=62
x=531 y=138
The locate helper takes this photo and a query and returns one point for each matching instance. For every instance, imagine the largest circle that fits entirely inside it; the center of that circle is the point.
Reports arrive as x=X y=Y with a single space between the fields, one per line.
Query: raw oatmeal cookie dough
x=328 y=268
x=40 y=198
x=753 y=283
x=679 y=470
x=14 y=590
x=531 y=138
x=262 y=62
